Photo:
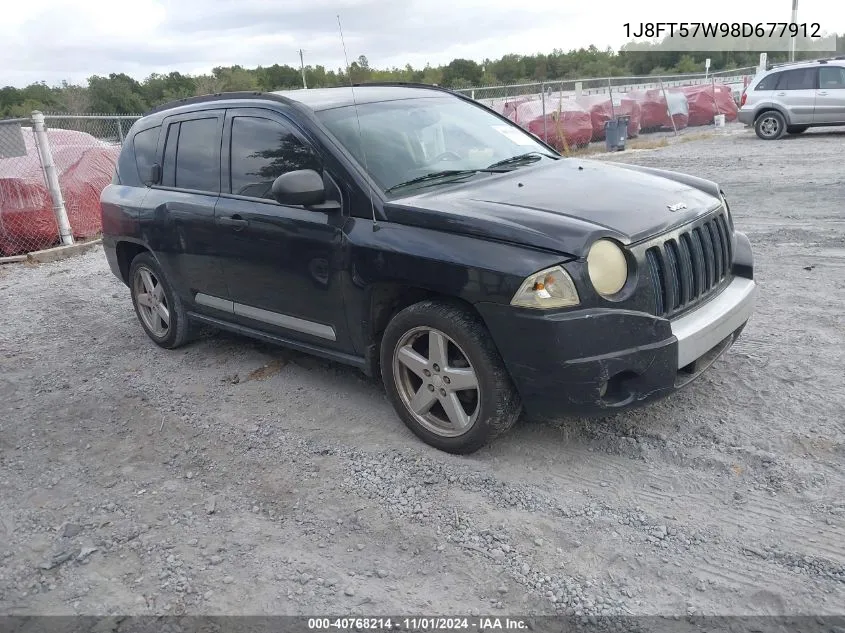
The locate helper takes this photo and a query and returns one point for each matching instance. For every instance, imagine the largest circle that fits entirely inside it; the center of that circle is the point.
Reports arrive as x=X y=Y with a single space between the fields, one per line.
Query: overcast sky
x=55 y=40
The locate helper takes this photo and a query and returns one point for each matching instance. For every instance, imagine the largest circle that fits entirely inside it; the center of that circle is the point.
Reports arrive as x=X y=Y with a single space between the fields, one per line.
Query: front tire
x=770 y=126
x=445 y=377
x=157 y=306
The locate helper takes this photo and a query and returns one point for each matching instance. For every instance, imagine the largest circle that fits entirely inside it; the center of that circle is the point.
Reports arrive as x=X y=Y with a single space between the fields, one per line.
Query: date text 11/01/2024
x=723 y=29
x=417 y=623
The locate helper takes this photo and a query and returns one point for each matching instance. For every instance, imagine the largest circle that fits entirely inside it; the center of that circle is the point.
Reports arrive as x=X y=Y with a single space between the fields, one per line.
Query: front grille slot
x=688 y=268
x=675 y=273
x=654 y=266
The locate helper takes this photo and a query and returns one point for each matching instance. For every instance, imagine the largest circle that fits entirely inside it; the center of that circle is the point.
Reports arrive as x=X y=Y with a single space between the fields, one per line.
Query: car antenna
x=358 y=118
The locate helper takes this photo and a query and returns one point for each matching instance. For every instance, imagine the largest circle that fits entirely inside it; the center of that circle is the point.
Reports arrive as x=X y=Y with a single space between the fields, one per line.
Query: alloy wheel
x=436 y=382
x=770 y=126
x=151 y=302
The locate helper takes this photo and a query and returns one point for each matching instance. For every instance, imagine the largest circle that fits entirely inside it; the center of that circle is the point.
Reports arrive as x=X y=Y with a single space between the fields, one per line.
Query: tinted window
x=198 y=155
x=262 y=150
x=768 y=83
x=144 y=144
x=801 y=79
x=831 y=78
x=192 y=155
x=168 y=168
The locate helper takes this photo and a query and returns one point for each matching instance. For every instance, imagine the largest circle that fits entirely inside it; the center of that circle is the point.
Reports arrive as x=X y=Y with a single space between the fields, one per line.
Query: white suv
x=790 y=98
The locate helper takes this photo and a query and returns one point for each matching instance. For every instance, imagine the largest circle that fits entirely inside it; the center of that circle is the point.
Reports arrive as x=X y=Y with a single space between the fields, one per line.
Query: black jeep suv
x=412 y=232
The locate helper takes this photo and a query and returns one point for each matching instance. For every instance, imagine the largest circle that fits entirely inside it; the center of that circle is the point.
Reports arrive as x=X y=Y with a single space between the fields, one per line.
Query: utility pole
x=792 y=39
x=302 y=66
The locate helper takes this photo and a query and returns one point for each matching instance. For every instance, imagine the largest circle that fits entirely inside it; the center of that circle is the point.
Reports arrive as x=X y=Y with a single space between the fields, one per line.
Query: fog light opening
x=617 y=390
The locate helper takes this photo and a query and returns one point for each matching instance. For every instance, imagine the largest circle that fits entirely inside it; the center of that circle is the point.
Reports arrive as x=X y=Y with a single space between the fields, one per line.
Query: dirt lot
x=233 y=477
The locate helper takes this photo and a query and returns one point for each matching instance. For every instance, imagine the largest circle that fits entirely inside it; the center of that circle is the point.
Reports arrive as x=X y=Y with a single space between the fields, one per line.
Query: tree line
x=119 y=93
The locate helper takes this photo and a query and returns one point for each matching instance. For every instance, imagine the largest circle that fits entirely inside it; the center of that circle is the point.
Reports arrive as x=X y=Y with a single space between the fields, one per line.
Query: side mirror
x=302 y=187
x=153 y=175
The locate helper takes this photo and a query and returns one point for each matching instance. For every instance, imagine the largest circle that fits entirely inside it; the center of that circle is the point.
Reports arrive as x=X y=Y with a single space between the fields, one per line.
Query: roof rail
x=822 y=60
x=406 y=84
x=252 y=94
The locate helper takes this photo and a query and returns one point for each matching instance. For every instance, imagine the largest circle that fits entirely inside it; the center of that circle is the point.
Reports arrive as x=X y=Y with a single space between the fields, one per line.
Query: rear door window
x=192 y=155
x=799 y=79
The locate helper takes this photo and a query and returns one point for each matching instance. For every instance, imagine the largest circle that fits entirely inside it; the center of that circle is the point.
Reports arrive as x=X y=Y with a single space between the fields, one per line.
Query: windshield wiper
x=521 y=158
x=433 y=176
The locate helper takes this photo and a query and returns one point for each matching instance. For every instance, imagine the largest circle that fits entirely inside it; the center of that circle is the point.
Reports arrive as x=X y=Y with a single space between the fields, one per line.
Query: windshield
x=409 y=139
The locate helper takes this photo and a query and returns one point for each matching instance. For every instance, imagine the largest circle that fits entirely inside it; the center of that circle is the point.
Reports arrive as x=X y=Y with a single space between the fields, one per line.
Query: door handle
x=236 y=222
x=822 y=93
x=781 y=94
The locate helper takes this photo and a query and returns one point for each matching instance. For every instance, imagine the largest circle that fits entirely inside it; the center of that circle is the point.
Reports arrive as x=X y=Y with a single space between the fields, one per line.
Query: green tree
x=207 y=85
x=236 y=78
x=278 y=77
x=461 y=72
x=688 y=65
x=75 y=99
x=162 y=88
x=116 y=94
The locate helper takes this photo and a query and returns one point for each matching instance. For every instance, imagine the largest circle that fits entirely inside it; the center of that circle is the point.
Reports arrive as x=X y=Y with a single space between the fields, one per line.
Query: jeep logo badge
x=677 y=207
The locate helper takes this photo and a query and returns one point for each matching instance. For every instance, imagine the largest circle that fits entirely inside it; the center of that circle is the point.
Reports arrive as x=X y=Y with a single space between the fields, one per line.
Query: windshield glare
x=406 y=139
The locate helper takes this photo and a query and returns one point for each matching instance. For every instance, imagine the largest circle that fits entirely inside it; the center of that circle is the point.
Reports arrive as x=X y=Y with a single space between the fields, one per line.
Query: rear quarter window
x=144 y=145
x=768 y=83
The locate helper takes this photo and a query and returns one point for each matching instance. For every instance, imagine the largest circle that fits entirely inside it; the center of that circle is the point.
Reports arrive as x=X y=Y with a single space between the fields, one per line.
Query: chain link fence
x=52 y=171
x=573 y=113
x=736 y=79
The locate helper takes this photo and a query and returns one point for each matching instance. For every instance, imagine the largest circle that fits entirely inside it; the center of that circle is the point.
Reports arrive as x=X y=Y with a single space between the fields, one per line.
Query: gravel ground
x=232 y=477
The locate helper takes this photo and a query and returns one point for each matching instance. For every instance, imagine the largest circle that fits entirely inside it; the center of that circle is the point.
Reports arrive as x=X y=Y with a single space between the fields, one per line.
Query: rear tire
x=770 y=125
x=445 y=377
x=796 y=129
x=157 y=305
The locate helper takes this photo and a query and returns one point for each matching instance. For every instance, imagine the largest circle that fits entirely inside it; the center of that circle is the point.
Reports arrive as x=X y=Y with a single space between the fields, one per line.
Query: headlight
x=607 y=267
x=550 y=288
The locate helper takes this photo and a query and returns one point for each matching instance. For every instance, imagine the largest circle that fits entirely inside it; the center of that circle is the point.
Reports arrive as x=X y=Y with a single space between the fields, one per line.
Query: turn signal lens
x=607 y=267
x=550 y=288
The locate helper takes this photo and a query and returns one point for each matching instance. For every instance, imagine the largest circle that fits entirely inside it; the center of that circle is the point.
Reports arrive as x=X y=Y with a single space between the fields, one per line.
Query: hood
x=562 y=206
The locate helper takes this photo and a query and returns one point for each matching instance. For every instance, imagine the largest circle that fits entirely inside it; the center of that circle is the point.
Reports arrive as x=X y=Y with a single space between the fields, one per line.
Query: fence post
x=668 y=107
x=51 y=178
x=120 y=129
x=543 y=97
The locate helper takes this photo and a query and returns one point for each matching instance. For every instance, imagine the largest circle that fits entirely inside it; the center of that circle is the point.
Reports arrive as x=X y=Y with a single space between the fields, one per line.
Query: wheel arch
x=125 y=252
x=770 y=107
x=386 y=299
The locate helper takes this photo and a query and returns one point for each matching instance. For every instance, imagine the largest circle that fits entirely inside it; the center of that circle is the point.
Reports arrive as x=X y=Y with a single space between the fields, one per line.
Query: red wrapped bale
x=706 y=101
x=567 y=124
x=84 y=165
x=602 y=108
x=509 y=106
x=654 y=113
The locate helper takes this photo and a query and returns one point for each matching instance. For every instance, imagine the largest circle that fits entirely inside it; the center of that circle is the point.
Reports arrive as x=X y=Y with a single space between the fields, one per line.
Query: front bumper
x=597 y=361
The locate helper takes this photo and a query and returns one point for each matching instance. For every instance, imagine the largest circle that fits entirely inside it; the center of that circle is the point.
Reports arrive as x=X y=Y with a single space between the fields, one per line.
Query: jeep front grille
x=689 y=267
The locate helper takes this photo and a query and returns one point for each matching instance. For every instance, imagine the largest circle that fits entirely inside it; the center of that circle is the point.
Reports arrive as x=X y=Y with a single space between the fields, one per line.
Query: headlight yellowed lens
x=607 y=267
x=550 y=288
